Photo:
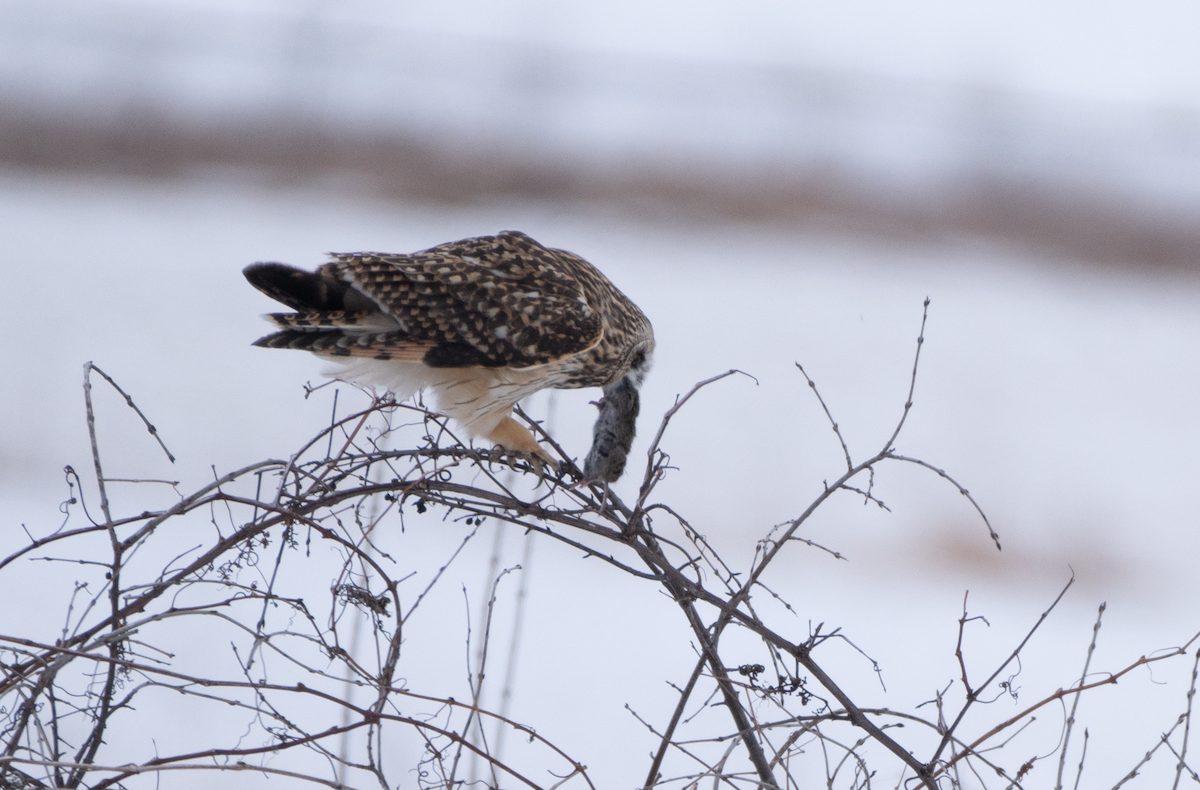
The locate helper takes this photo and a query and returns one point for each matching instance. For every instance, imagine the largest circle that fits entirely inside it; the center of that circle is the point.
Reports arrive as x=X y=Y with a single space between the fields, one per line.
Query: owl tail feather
x=305 y=291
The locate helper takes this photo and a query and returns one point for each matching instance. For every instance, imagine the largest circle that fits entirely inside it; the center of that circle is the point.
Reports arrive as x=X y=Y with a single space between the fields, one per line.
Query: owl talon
x=545 y=468
x=541 y=464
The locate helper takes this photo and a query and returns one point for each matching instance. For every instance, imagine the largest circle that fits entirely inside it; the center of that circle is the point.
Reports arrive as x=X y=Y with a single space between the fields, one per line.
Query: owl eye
x=638 y=360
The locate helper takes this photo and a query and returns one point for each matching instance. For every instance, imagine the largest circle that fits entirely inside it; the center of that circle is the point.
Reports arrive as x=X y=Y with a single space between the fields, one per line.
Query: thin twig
x=912 y=381
x=1187 y=724
x=942 y=473
x=1082 y=756
x=129 y=400
x=1062 y=758
x=838 y=431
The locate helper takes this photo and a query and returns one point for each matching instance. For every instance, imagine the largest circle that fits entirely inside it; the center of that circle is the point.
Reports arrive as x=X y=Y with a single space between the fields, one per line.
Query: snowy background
x=772 y=183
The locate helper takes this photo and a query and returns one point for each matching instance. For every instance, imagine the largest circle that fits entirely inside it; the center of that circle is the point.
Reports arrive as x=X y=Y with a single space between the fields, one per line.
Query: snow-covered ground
x=1063 y=398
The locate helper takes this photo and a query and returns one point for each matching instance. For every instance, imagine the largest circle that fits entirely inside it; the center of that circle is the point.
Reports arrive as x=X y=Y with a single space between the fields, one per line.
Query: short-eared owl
x=481 y=323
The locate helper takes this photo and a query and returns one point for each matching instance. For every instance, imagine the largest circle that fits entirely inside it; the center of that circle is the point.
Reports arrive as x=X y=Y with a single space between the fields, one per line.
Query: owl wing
x=493 y=301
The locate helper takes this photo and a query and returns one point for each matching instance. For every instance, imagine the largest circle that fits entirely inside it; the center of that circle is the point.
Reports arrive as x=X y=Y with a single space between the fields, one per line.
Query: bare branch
x=239 y=558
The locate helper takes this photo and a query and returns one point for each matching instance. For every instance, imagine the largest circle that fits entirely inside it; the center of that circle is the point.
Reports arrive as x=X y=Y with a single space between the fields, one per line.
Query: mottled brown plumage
x=481 y=322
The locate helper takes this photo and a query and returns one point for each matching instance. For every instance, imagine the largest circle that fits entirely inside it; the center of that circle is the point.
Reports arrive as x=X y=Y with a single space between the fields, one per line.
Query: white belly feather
x=478 y=398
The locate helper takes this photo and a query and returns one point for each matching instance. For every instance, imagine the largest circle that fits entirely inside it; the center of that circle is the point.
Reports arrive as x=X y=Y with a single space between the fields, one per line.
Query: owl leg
x=512 y=436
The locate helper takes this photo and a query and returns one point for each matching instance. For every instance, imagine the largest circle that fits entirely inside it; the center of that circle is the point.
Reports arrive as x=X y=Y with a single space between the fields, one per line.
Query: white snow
x=1061 y=396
